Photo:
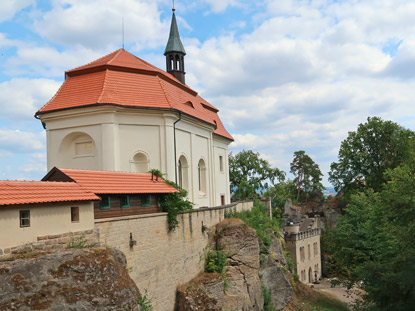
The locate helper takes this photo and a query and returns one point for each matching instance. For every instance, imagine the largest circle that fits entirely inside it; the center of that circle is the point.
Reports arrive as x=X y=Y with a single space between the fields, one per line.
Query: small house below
x=120 y=193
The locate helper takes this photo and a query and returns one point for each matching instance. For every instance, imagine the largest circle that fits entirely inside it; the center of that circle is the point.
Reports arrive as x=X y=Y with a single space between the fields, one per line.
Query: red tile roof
x=109 y=182
x=122 y=79
x=27 y=192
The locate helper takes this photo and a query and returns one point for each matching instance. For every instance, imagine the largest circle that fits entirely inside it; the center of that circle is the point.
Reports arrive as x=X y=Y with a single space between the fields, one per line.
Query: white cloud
x=219 y=6
x=98 y=24
x=8 y=8
x=47 y=61
x=15 y=141
x=20 y=98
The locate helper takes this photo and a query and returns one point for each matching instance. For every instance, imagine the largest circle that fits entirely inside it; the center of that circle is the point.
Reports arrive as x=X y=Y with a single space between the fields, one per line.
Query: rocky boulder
x=240 y=289
x=73 y=279
x=274 y=275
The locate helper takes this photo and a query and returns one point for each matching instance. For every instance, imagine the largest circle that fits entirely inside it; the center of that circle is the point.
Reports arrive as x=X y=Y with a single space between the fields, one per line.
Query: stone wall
x=56 y=241
x=159 y=261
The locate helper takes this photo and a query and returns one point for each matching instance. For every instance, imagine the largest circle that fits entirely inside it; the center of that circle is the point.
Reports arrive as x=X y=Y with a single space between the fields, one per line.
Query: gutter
x=43 y=123
x=175 y=153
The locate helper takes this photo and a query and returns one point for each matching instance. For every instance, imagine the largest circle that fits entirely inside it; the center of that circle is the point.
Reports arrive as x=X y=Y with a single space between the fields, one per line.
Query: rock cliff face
x=273 y=275
x=76 y=279
x=241 y=289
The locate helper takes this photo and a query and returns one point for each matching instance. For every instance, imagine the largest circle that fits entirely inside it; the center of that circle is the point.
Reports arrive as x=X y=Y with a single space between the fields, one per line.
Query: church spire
x=175 y=52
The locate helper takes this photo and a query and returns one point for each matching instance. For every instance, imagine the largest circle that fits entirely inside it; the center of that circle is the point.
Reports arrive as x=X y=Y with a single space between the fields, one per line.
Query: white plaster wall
x=118 y=133
x=45 y=219
x=139 y=138
x=221 y=182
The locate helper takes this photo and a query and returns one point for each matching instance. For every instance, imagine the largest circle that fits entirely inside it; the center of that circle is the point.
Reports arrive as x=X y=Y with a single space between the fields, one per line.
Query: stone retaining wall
x=158 y=261
x=58 y=241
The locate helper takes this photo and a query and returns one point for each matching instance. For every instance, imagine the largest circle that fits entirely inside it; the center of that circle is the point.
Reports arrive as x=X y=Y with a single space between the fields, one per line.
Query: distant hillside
x=329 y=190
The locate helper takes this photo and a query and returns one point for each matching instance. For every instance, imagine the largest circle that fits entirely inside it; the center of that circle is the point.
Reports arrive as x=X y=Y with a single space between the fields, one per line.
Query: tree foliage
x=250 y=174
x=367 y=153
x=375 y=241
x=307 y=174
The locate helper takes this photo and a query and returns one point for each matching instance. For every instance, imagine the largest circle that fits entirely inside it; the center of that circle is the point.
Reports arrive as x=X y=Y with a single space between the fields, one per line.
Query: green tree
x=307 y=174
x=249 y=174
x=279 y=194
x=375 y=241
x=367 y=153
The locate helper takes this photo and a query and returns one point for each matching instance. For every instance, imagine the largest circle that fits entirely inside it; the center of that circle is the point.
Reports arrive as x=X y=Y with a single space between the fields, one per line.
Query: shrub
x=215 y=261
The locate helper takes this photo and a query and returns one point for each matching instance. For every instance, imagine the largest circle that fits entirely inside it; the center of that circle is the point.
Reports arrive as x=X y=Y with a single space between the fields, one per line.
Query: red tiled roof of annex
x=30 y=192
x=110 y=182
x=123 y=79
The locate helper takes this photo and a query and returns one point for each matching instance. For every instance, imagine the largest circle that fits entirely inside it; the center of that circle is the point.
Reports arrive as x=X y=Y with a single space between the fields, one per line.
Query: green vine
x=173 y=203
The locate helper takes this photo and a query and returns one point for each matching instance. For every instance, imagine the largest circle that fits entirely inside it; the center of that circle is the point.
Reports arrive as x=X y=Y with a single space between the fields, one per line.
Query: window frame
x=21 y=218
x=146 y=200
x=75 y=215
x=107 y=206
x=127 y=197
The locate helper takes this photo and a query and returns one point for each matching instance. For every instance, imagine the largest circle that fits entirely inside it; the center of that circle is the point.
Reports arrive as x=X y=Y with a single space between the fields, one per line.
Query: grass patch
x=80 y=242
x=307 y=299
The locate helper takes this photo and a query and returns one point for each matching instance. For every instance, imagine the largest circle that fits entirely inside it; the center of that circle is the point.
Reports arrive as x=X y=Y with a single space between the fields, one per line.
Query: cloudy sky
x=286 y=75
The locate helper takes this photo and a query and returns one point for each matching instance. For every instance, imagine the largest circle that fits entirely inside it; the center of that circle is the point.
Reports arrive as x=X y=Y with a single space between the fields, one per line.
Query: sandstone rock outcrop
x=274 y=275
x=241 y=288
x=73 y=279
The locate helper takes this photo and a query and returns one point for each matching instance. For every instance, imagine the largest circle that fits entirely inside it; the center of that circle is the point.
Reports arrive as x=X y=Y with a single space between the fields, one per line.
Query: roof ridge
x=102 y=171
x=96 y=60
x=164 y=92
x=115 y=56
x=104 y=83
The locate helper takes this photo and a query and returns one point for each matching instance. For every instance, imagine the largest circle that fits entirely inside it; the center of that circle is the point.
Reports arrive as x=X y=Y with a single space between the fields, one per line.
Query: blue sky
x=286 y=75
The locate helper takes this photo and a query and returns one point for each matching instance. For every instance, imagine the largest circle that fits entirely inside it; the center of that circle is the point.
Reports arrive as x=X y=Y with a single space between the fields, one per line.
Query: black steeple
x=175 y=52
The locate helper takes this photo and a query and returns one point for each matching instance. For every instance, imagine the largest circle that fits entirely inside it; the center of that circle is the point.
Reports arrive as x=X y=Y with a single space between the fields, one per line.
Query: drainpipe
x=175 y=154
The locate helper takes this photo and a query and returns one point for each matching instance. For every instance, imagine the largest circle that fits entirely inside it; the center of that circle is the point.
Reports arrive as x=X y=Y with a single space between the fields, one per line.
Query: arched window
x=140 y=163
x=171 y=63
x=183 y=173
x=178 y=62
x=201 y=170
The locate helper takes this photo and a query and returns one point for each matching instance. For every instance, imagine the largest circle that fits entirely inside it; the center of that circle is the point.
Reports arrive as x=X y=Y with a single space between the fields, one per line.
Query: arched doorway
x=310 y=275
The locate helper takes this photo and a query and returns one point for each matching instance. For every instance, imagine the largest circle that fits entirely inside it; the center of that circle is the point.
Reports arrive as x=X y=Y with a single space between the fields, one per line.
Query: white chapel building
x=120 y=113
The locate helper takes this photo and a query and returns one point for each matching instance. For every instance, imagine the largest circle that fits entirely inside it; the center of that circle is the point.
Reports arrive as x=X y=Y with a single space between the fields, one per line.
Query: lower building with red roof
x=33 y=210
x=120 y=193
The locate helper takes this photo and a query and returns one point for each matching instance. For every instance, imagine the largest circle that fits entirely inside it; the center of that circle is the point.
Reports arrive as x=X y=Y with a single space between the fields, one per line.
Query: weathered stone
x=55 y=236
x=276 y=252
x=38 y=245
x=243 y=290
x=1 y=252
x=88 y=279
x=7 y=251
x=204 y=293
x=63 y=240
x=42 y=238
x=276 y=281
